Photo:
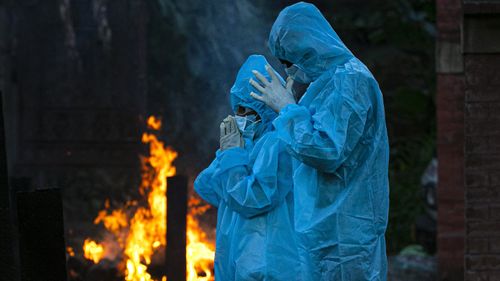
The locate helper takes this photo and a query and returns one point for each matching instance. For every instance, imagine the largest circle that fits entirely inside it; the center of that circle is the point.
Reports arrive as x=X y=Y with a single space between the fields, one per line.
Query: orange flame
x=70 y=251
x=145 y=229
x=92 y=250
x=113 y=222
x=148 y=226
x=154 y=123
x=199 y=253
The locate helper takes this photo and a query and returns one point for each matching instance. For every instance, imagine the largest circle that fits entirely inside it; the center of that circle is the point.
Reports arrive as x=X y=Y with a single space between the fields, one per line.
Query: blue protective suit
x=338 y=138
x=251 y=188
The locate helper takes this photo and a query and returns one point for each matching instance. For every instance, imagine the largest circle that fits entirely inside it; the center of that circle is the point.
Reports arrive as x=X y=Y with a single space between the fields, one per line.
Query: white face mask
x=244 y=121
x=248 y=125
x=298 y=74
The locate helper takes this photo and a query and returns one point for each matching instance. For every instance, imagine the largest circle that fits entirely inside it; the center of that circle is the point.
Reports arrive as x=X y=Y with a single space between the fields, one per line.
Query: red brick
x=482 y=70
x=494 y=212
x=494 y=245
x=450 y=120
x=482 y=161
x=452 y=194
x=482 y=262
x=494 y=275
x=451 y=105
x=480 y=7
x=495 y=178
x=450 y=152
x=477 y=144
x=477 y=212
x=494 y=194
x=451 y=134
x=494 y=110
x=450 y=89
x=494 y=143
x=477 y=245
x=451 y=125
x=453 y=225
x=482 y=229
x=478 y=194
x=474 y=127
x=450 y=177
x=451 y=214
x=451 y=270
x=449 y=108
x=449 y=18
x=476 y=178
x=482 y=78
x=450 y=146
x=476 y=276
x=486 y=94
x=477 y=110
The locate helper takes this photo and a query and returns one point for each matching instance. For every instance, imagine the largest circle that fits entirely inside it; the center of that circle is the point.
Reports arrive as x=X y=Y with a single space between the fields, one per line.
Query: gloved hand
x=230 y=135
x=273 y=94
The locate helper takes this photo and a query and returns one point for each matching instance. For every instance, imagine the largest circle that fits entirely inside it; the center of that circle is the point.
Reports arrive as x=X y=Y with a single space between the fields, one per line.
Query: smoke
x=207 y=43
x=112 y=249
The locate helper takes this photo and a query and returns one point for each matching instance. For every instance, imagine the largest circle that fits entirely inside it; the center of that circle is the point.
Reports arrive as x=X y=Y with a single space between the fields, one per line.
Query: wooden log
x=41 y=235
x=176 y=228
x=8 y=268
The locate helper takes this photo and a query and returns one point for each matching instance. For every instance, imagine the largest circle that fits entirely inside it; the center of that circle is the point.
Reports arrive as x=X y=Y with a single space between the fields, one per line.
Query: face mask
x=244 y=121
x=253 y=131
x=249 y=126
x=298 y=74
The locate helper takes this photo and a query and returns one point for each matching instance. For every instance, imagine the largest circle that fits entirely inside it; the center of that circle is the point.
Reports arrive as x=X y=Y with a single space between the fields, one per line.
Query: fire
x=92 y=250
x=113 y=222
x=148 y=226
x=199 y=254
x=154 y=123
x=70 y=251
x=141 y=230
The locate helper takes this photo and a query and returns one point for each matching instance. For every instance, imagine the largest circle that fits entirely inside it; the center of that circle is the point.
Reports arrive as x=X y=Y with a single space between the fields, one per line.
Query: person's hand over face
x=272 y=93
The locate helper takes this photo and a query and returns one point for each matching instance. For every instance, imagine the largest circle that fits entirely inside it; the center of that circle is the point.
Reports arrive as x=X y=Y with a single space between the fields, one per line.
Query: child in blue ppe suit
x=337 y=136
x=250 y=183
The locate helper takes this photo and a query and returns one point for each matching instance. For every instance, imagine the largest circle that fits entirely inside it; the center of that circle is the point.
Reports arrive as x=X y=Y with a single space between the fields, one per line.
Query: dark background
x=80 y=77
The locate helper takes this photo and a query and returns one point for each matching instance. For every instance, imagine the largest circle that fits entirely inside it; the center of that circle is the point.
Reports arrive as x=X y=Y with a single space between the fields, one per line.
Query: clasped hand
x=230 y=135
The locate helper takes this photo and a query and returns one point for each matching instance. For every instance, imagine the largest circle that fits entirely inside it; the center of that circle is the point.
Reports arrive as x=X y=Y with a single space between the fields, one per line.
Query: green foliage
x=408 y=161
x=413 y=250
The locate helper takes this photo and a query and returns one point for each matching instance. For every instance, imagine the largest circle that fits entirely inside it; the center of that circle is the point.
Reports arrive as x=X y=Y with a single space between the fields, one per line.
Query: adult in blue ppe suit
x=338 y=138
x=251 y=187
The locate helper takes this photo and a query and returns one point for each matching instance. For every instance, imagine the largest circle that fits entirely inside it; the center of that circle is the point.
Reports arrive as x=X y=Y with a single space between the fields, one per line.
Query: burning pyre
x=139 y=231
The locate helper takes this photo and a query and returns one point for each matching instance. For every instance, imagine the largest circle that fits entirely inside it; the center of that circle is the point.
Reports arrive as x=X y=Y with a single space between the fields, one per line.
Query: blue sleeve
x=207 y=186
x=324 y=137
x=255 y=188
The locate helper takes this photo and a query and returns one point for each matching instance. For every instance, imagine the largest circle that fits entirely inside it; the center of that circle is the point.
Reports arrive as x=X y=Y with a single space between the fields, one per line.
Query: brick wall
x=481 y=48
x=450 y=117
x=468 y=101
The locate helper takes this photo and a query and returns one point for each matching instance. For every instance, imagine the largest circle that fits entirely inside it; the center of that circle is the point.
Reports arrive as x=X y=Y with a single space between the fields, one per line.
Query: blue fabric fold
x=252 y=189
x=337 y=137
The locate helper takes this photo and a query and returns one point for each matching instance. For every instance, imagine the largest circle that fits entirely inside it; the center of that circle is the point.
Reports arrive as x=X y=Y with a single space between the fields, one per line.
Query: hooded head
x=240 y=92
x=302 y=36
